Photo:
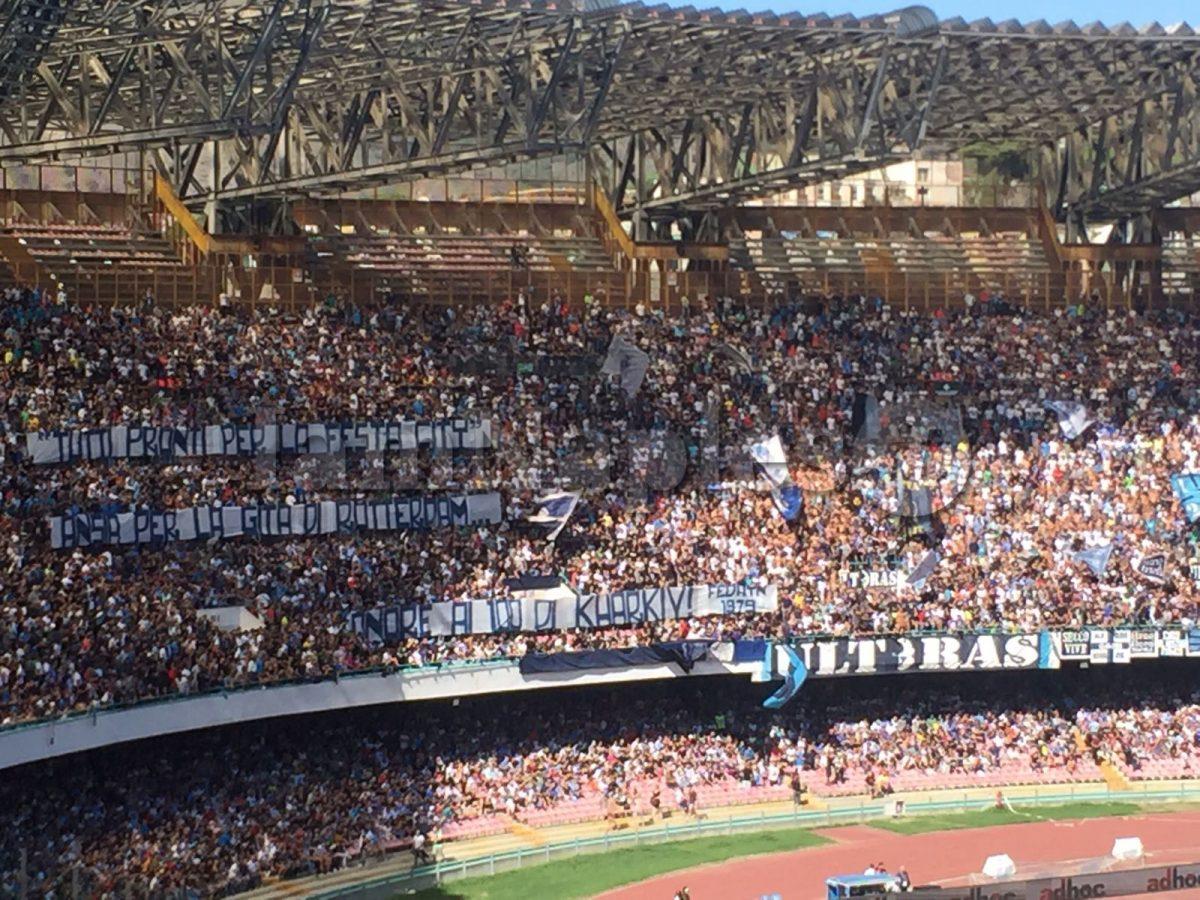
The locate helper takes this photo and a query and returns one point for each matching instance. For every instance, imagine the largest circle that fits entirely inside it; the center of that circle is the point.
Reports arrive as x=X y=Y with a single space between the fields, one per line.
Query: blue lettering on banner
x=136 y=442
x=585 y=611
x=312 y=519
x=681 y=602
x=149 y=442
x=370 y=625
x=142 y=529
x=457 y=511
x=505 y=615
x=179 y=442
x=414 y=622
x=391 y=623
x=621 y=608
x=461 y=617
x=345 y=516
x=545 y=615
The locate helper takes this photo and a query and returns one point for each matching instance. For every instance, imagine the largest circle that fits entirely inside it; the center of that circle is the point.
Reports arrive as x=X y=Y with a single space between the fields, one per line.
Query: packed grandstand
x=446 y=428
x=1012 y=501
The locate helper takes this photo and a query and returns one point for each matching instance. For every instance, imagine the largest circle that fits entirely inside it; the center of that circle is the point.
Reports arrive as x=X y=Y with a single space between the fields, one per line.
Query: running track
x=938 y=856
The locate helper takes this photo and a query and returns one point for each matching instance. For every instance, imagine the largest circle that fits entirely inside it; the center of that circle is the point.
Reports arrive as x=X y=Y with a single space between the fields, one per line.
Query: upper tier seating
x=1181 y=263
x=936 y=266
x=69 y=246
x=464 y=265
x=103 y=262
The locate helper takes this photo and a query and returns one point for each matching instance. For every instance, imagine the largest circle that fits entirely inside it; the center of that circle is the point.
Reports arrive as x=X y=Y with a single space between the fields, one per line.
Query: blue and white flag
x=788 y=500
x=1187 y=489
x=771 y=459
x=555 y=509
x=929 y=562
x=1048 y=657
x=1095 y=558
x=772 y=463
x=1073 y=417
x=628 y=361
x=1152 y=568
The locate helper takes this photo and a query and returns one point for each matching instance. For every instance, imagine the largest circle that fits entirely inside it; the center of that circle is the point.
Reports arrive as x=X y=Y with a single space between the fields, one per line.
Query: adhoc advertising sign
x=1128 y=882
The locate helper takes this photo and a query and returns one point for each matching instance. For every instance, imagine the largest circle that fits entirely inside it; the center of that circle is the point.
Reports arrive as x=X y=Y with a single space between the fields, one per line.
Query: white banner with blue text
x=387 y=624
x=152 y=442
x=146 y=526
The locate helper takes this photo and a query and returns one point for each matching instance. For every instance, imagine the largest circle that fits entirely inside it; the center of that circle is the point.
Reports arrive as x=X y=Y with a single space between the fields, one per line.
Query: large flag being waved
x=555 y=509
x=772 y=463
x=1187 y=489
x=1095 y=558
x=627 y=360
x=924 y=568
x=771 y=459
x=1073 y=417
x=1152 y=568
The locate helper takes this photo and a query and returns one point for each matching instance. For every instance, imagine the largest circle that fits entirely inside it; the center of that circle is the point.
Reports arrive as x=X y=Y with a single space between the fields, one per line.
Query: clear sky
x=1110 y=12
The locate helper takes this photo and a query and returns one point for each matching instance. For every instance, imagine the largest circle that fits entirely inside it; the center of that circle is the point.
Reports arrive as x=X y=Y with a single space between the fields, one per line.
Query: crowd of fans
x=215 y=812
x=669 y=493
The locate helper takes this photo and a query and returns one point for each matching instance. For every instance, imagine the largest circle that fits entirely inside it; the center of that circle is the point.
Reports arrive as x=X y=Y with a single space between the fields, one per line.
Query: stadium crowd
x=669 y=493
x=216 y=812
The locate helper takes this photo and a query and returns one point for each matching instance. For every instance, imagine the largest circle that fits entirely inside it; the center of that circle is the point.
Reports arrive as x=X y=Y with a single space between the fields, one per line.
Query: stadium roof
x=678 y=108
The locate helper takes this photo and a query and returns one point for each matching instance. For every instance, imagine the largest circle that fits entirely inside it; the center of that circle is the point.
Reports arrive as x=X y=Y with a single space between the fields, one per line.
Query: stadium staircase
x=1114 y=777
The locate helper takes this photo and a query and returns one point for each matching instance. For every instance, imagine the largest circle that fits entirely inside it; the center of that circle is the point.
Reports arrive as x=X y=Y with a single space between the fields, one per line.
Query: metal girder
x=679 y=109
x=865 y=112
x=1130 y=162
x=27 y=27
x=492 y=95
x=175 y=75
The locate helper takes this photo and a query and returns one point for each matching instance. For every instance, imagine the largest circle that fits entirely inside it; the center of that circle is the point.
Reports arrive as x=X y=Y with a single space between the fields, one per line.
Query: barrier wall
x=87 y=732
x=823 y=657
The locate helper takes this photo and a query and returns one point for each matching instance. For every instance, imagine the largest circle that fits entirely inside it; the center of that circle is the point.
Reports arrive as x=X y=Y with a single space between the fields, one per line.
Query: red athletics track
x=938 y=856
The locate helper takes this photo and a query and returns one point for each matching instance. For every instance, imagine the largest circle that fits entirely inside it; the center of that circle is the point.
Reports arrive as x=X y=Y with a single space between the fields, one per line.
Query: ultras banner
x=828 y=657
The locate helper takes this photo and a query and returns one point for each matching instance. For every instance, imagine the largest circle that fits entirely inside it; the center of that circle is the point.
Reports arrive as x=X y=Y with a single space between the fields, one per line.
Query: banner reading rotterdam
x=327 y=517
x=149 y=442
x=632 y=607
